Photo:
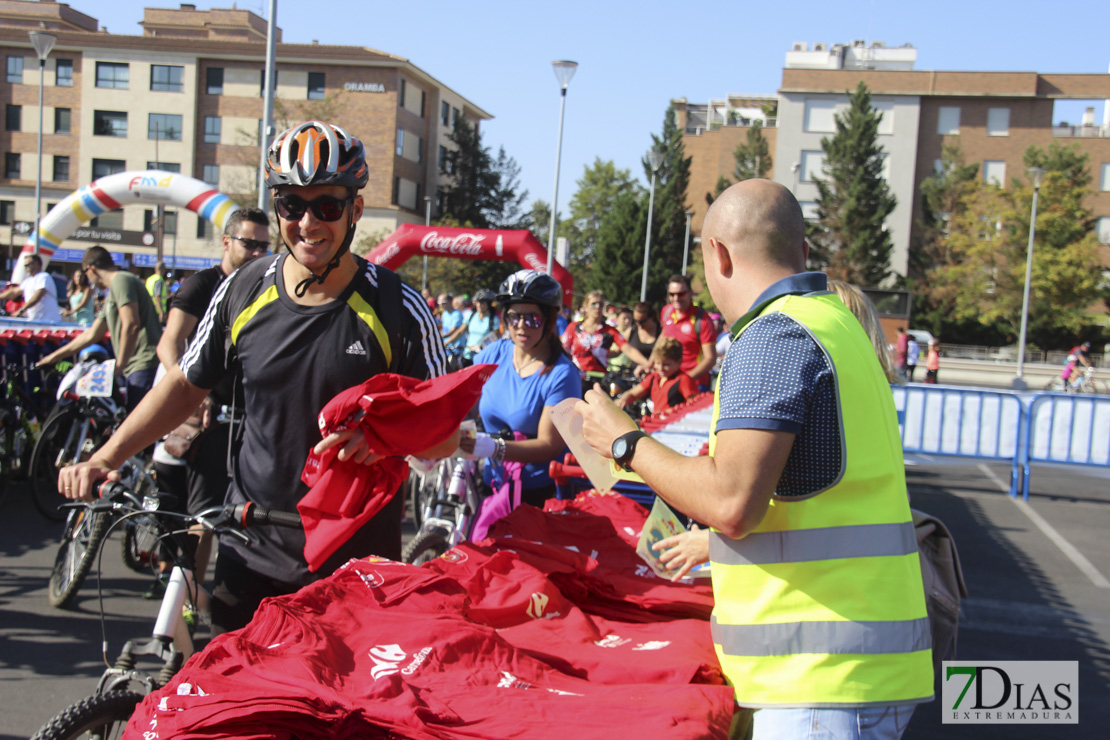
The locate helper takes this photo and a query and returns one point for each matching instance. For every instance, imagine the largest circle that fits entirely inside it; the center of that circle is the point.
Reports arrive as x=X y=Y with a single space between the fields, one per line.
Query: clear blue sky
x=634 y=57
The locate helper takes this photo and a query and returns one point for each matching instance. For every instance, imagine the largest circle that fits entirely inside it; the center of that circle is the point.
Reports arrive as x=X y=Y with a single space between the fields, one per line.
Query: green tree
x=669 y=218
x=470 y=197
x=984 y=275
x=753 y=157
x=849 y=237
x=599 y=188
x=618 y=263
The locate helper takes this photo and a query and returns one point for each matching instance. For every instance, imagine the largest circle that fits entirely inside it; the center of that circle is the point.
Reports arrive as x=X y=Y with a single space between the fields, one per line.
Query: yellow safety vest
x=822 y=605
x=159 y=292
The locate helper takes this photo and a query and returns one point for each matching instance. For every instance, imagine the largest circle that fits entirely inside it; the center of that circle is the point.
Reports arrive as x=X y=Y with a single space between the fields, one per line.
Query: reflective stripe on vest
x=822 y=604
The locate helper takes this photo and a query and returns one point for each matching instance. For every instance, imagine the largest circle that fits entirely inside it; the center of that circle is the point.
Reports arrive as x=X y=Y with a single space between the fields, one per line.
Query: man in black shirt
x=246 y=236
x=300 y=327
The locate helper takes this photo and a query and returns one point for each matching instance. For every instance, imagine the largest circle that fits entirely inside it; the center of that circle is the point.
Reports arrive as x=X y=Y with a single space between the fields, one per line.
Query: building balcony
x=697 y=128
x=1081 y=132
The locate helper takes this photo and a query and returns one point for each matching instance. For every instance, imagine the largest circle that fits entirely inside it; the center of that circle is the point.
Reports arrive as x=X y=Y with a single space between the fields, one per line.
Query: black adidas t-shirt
x=293 y=360
x=193 y=297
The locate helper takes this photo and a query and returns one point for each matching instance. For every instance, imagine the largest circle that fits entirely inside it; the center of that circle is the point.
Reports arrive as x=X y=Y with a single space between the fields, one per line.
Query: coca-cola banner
x=412 y=240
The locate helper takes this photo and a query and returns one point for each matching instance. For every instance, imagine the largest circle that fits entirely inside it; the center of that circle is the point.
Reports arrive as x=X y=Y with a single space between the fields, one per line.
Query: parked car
x=920 y=336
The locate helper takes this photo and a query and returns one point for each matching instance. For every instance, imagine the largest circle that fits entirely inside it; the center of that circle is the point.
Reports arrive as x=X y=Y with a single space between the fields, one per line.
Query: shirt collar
x=797 y=284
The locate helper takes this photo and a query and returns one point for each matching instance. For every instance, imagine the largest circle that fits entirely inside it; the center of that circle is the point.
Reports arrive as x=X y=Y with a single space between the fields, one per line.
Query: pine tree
x=753 y=157
x=849 y=237
x=619 y=256
x=669 y=218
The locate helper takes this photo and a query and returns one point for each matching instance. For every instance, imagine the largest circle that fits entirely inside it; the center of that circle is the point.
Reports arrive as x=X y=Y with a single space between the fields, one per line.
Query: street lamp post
x=564 y=71
x=1036 y=174
x=427 y=222
x=686 y=247
x=654 y=159
x=43 y=43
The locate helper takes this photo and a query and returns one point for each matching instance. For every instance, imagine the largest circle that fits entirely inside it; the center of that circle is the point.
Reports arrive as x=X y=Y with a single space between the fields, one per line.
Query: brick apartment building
x=995 y=115
x=187 y=96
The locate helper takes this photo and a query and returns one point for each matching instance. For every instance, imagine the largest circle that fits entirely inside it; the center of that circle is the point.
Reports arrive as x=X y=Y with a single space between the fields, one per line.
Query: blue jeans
x=138 y=383
x=854 y=723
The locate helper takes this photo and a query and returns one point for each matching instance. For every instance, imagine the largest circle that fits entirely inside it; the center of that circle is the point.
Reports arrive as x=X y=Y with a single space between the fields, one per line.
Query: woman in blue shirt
x=479 y=325
x=533 y=374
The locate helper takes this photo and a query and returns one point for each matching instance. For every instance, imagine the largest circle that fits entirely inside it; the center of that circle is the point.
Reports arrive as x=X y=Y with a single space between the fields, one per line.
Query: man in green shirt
x=129 y=317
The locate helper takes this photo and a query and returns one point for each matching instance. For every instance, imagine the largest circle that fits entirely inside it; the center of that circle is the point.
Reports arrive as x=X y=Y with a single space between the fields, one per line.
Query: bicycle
x=21 y=417
x=1085 y=384
x=123 y=685
x=447 y=517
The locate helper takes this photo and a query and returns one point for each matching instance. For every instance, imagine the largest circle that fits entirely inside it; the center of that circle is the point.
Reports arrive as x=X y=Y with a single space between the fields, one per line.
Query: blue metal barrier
x=961 y=422
x=1068 y=428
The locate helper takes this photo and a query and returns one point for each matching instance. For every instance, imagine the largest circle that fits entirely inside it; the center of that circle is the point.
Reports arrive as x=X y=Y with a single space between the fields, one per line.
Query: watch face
x=620 y=448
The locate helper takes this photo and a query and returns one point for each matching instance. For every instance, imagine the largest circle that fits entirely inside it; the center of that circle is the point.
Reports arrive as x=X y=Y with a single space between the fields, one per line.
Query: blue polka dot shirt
x=776 y=376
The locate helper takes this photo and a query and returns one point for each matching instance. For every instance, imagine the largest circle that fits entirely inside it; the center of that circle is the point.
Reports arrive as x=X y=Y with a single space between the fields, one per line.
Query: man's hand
x=355 y=446
x=80 y=482
x=683 y=551
x=602 y=421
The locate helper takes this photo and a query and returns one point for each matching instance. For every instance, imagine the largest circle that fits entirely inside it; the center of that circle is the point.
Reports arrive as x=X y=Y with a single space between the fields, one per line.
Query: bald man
x=819 y=607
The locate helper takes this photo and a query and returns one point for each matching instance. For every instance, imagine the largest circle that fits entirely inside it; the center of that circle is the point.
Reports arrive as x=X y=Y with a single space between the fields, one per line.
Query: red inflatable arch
x=411 y=240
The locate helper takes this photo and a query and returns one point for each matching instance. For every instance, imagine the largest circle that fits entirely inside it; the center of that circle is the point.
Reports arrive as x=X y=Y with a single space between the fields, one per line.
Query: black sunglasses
x=324 y=208
x=251 y=244
x=531 y=320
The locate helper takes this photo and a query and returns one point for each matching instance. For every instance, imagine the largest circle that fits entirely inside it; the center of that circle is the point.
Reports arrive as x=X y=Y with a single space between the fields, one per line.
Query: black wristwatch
x=624 y=447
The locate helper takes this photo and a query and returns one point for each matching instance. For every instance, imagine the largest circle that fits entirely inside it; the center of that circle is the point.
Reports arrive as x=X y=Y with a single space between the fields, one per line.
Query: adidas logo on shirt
x=356 y=349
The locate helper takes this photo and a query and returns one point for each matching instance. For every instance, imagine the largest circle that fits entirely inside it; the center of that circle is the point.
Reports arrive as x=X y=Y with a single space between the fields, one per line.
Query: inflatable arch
x=411 y=240
x=123 y=189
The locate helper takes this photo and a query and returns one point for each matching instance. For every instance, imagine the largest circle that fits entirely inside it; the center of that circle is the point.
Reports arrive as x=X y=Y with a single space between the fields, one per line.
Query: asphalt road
x=1029 y=600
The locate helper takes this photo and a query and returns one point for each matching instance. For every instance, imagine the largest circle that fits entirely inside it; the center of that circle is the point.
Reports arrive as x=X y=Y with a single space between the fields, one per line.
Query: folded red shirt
x=399 y=416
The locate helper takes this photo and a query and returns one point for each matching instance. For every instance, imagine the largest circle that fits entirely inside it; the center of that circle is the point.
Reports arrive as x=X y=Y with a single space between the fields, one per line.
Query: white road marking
x=1057 y=539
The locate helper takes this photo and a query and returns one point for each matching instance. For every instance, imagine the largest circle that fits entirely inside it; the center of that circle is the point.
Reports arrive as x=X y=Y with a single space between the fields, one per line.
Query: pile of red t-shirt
x=550 y=627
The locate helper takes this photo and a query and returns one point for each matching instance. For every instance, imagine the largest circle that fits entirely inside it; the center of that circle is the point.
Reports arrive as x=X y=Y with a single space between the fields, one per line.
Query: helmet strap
x=303 y=286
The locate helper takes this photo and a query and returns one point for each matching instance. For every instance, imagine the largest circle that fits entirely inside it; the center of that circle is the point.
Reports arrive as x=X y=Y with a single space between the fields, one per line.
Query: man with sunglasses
x=693 y=329
x=246 y=237
x=128 y=317
x=299 y=328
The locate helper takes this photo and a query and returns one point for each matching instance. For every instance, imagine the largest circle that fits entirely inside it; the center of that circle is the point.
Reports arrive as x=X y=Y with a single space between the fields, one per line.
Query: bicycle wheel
x=102 y=716
x=425 y=546
x=1056 y=385
x=81 y=540
x=141 y=534
x=56 y=448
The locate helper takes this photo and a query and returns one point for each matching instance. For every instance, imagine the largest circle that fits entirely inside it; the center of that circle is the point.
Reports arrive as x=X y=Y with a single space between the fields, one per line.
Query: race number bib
x=97 y=382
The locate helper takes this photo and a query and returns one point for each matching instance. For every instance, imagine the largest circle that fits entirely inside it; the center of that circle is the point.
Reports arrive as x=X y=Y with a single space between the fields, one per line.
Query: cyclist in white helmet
x=299 y=327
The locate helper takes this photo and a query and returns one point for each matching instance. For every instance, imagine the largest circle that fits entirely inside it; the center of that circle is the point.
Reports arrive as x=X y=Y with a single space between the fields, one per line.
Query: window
x=404 y=193
x=400 y=140
x=400 y=96
x=61 y=168
x=204 y=228
x=12 y=165
x=167 y=78
x=1102 y=229
x=442 y=162
x=215 y=81
x=63 y=73
x=164 y=166
x=998 y=122
x=439 y=202
x=948 y=120
x=1104 y=181
x=15 y=70
x=13 y=117
x=809 y=209
x=211 y=174
x=110 y=220
x=109 y=123
x=7 y=212
x=212 y=129
x=423 y=102
x=994 y=171
x=113 y=75
x=104 y=167
x=262 y=83
x=169 y=222
x=813 y=163
x=886 y=110
x=454 y=117
x=315 y=85
x=444 y=113
x=820 y=116
x=419 y=149
x=164 y=126
x=61 y=120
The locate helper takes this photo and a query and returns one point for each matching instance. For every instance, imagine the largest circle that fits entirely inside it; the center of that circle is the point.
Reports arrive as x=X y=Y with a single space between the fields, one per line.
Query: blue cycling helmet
x=530 y=286
x=94 y=352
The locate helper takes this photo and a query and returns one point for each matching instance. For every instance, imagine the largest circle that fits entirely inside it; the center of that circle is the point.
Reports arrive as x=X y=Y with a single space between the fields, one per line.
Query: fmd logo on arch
x=1020 y=692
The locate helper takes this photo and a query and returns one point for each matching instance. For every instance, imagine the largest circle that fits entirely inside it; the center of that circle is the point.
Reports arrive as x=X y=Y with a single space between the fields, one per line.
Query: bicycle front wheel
x=57 y=446
x=426 y=546
x=102 y=716
x=81 y=540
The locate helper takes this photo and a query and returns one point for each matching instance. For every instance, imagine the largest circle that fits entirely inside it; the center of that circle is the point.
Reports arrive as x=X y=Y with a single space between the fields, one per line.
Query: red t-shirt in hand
x=668 y=392
x=591 y=350
x=690 y=333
